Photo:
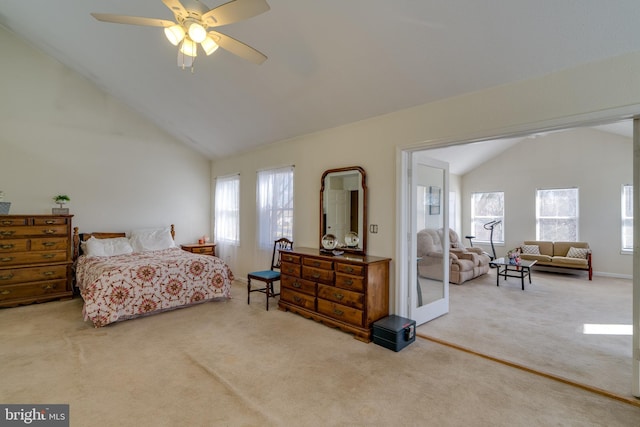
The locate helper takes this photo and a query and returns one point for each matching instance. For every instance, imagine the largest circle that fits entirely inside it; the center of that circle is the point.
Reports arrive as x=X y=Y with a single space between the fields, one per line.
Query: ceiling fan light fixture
x=189 y=47
x=174 y=33
x=197 y=33
x=209 y=46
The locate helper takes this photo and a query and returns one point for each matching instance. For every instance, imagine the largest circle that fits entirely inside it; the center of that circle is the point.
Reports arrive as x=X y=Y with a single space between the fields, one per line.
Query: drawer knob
x=48 y=256
x=348 y=282
x=297 y=299
x=339 y=296
x=6 y=277
x=48 y=273
x=49 y=231
x=338 y=312
x=5 y=292
x=48 y=287
x=296 y=284
x=315 y=275
x=6 y=259
x=7 y=222
x=49 y=244
x=7 y=233
x=7 y=246
x=50 y=221
x=349 y=270
x=316 y=264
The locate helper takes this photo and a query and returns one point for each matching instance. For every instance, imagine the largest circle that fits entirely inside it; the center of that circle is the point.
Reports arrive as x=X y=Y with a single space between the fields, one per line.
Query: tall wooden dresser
x=35 y=258
x=348 y=292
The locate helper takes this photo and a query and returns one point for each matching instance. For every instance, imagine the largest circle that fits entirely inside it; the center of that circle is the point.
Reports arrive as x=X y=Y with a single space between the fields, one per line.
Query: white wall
x=564 y=97
x=60 y=134
x=597 y=163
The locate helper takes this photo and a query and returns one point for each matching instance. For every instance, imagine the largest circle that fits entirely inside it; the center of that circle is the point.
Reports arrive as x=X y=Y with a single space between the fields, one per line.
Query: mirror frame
x=363 y=183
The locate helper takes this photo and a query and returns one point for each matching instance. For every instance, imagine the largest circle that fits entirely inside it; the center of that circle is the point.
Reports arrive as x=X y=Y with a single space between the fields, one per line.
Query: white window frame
x=498 y=235
x=626 y=223
x=539 y=217
x=274 y=201
x=226 y=219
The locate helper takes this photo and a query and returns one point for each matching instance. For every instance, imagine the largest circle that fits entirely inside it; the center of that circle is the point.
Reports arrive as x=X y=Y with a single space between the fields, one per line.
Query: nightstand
x=200 y=248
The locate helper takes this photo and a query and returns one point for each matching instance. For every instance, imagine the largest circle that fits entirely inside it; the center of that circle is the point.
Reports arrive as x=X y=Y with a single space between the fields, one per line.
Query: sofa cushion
x=530 y=249
x=562 y=248
x=559 y=261
x=545 y=247
x=539 y=258
x=577 y=253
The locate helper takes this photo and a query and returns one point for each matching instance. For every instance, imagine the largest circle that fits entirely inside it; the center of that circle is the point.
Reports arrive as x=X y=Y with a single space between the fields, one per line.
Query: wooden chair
x=269 y=276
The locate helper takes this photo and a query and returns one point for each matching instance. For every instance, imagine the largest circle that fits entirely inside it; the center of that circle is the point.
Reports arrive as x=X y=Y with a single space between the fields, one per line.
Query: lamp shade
x=197 y=33
x=174 y=33
x=189 y=47
x=209 y=46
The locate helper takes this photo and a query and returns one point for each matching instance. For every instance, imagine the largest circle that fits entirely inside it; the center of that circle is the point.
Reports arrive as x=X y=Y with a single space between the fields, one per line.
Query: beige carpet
x=230 y=364
x=543 y=326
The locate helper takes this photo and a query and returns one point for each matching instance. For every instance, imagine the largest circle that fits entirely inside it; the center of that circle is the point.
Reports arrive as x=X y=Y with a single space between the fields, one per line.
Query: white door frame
x=587 y=119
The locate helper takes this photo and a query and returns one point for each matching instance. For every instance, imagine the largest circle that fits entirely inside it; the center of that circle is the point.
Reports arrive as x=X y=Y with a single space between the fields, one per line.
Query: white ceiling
x=331 y=62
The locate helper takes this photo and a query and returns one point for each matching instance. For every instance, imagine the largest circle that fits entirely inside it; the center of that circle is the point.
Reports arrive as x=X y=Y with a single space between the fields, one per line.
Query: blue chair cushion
x=266 y=274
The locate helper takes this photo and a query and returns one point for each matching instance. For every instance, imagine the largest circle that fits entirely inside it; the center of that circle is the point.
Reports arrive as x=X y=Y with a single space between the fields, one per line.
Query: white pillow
x=531 y=249
x=108 y=247
x=151 y=239
x=577 y=252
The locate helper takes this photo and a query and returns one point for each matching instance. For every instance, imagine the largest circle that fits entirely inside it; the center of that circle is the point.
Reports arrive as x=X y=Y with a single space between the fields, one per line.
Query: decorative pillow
x=152 y=239
x=530 y=249
x=577 y=252
x=108 y=247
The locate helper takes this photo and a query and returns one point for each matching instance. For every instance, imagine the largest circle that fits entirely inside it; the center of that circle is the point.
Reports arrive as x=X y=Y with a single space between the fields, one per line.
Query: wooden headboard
x=82 y=237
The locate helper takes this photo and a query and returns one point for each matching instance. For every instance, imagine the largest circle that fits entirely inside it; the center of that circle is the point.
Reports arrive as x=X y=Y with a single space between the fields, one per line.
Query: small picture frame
x=434 y=200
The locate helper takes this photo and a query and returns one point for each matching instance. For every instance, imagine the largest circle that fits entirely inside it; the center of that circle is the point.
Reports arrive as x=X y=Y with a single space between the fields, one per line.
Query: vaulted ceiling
x=330 y=62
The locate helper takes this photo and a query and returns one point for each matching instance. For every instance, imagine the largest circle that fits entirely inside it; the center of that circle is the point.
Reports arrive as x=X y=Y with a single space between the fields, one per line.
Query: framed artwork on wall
x=434 y=200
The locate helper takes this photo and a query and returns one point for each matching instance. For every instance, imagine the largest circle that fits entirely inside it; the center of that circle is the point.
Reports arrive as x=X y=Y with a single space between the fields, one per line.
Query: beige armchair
x=463 y=264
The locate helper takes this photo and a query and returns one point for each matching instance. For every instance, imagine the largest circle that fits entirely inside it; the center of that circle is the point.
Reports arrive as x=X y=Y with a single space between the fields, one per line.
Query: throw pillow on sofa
x=531 y=249
x=577 y=252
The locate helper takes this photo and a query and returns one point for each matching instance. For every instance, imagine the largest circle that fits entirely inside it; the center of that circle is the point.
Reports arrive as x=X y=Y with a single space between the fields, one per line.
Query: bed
x=122 y=277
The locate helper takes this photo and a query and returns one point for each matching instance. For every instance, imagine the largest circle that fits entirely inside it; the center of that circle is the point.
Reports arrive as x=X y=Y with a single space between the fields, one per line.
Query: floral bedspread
x=126 y=286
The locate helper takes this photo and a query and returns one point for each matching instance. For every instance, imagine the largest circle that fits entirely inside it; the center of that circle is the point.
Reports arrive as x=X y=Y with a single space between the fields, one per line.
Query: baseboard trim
x=625 y=399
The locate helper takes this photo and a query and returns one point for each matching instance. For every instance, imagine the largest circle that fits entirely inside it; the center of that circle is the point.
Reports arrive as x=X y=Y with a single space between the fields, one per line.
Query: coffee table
x=505 y=269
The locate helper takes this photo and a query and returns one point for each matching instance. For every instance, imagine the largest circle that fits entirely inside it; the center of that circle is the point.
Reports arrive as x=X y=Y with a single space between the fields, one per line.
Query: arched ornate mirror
x=343 y=210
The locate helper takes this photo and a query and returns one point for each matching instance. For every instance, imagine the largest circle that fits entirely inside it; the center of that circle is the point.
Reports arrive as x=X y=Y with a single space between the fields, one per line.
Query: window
x=557 y=214
x=227 y=210
x=627 y=218
x=275 y=205
x=485 y=208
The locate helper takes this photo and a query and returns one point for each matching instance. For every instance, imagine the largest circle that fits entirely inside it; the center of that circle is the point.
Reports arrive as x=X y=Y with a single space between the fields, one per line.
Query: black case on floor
x=394 y=332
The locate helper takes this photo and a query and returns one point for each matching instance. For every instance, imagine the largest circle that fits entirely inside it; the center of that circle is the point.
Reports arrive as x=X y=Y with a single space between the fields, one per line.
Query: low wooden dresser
x=35 y=258
x=348 y=292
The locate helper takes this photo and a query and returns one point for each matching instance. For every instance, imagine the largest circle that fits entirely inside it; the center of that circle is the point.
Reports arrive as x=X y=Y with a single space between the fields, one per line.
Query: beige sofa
x=464 y=263
x=573 y=255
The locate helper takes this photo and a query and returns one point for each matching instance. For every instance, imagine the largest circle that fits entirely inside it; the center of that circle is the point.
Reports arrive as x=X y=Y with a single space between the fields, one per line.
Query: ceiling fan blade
x=132 y=20
x=237 y=47
x=176 y=7
x=234 y=11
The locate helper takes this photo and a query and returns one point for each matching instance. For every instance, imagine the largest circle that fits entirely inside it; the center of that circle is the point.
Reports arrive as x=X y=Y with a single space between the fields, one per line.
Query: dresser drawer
x=297 y=298
x=290 y=269
x=355 y=270
x=33 y=230
x=294 y=259
x=13 y=245
x=32 y=290
x=12 y=221
x=318 y=263
x=341 y=296
x=51 y=221
x=33 y=274
x=21 y=258
x=340 y=312
x=206 y=250
x=317 y=274
x=353 y=283
x=298 y=284
x=51 y=244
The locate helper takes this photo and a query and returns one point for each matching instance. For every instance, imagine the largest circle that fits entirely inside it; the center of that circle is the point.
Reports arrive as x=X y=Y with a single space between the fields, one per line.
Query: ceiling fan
x=192 y=24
